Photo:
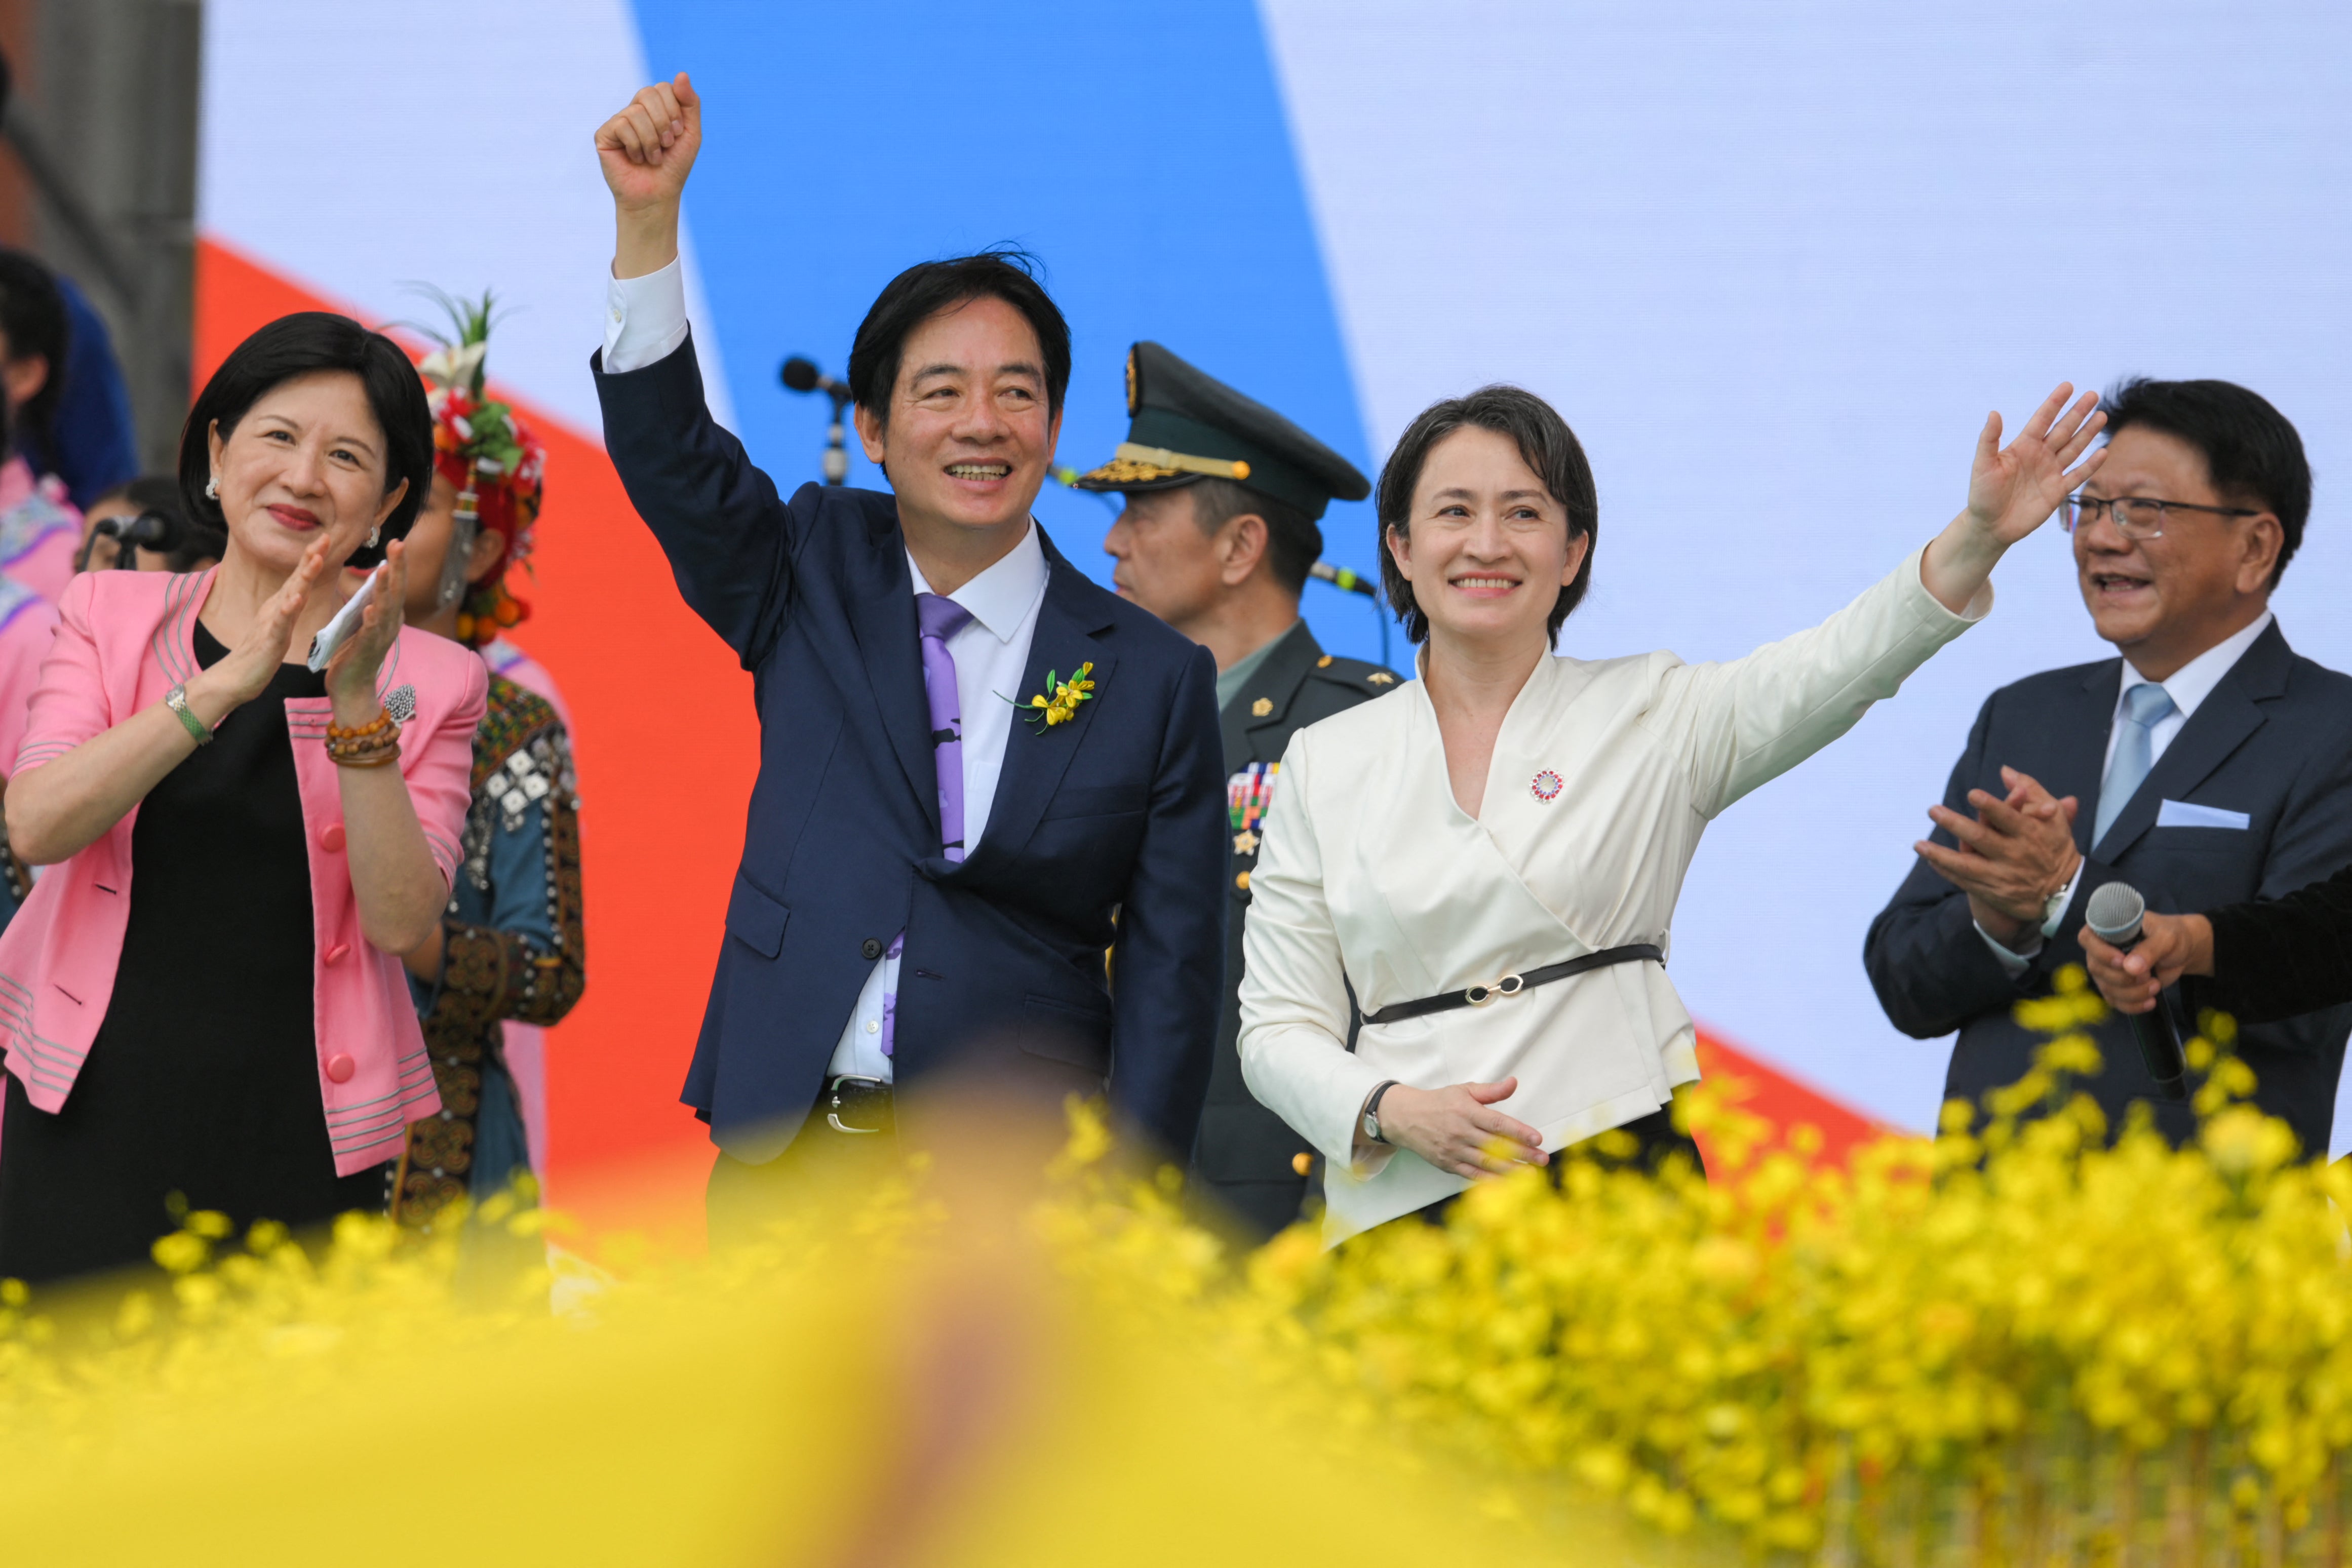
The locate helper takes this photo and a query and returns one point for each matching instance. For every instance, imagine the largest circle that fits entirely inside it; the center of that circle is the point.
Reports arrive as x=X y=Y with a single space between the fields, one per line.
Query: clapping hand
x=2012 y=490
x=352 y=673
x=253 y=663
x=2016 y=852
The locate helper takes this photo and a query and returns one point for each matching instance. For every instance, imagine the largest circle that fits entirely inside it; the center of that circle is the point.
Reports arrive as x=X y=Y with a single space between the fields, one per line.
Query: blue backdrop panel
x=1140 y=152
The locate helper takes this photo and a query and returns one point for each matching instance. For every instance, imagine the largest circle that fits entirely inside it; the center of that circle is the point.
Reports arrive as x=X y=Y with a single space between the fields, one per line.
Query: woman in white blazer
x=1491 y=853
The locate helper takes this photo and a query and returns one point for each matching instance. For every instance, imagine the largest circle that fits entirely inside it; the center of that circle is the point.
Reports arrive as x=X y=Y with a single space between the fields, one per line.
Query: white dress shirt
x=2188 y=687
x=644 y=321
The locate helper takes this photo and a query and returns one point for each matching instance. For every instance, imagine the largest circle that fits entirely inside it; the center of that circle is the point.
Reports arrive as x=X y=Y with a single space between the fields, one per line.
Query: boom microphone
x=1341 y=578
x=2113 y=914
x=803 y=375
x=800 y=374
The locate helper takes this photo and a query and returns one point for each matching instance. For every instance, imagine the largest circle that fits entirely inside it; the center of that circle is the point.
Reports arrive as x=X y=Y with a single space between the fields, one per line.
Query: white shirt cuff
x=2016 y=964
x=2058 y=913
x=645 y=318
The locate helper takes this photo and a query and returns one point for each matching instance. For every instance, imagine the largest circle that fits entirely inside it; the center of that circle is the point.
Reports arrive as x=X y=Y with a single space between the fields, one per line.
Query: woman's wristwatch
x=177 y=699
x=1372 y=1111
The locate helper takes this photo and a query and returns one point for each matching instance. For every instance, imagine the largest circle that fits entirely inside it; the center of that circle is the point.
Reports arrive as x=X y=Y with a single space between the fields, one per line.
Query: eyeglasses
x=2137 y=517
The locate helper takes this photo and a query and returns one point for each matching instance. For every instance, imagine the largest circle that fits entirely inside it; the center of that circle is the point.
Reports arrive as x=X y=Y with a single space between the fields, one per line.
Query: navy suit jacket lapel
x=2218 y=727
x=1070 y=625
x=889 y=650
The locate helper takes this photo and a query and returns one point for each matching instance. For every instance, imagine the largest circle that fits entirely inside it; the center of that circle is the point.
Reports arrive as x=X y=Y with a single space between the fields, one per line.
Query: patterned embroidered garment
x=511 y=949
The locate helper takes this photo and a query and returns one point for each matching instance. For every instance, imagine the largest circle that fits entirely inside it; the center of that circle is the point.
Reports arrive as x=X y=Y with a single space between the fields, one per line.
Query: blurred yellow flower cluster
x=2021 y=1343
x=2018 y=1343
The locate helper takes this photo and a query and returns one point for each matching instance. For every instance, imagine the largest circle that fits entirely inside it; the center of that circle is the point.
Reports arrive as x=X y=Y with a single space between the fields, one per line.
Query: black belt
x=1512 y=985
x=857 y=1105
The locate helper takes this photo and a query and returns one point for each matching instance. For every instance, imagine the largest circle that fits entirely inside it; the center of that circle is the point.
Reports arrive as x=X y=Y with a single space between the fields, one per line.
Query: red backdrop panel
x=667 y=746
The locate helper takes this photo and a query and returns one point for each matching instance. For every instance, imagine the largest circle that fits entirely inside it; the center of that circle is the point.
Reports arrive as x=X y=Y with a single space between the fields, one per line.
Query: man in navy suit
x=979 y=771
x=2207 y=765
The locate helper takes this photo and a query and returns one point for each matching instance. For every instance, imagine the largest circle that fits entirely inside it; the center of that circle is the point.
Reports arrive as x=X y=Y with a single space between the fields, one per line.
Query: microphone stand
x=836 y=455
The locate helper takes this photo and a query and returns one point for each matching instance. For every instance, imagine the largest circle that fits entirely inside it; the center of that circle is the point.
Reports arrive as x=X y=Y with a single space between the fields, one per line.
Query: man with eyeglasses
x=2207 y=765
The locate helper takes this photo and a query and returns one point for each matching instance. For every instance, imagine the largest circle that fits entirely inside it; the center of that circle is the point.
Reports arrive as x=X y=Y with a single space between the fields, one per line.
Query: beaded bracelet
x=369 y=745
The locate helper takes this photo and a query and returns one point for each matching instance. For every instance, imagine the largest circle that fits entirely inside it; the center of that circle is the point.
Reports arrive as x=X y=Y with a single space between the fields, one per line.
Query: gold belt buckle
x=1508 y=985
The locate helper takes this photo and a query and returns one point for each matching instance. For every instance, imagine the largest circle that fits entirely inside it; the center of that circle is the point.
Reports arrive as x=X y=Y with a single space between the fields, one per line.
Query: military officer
x=1217 y=538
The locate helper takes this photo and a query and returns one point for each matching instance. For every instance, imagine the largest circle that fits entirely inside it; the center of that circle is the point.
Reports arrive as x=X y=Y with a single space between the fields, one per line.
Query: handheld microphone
x=2115 y=914
x=800 y=374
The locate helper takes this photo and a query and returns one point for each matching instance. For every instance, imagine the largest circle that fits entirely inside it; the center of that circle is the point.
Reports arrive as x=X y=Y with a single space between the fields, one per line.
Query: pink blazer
x=124 y=639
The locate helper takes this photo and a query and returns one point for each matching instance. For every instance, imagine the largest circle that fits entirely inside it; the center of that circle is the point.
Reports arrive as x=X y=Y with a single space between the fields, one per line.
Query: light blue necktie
x=2146 y=705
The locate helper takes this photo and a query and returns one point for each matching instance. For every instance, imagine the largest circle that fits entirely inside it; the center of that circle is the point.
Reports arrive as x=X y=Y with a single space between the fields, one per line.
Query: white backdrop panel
x=1775 y=263
x=369 y=145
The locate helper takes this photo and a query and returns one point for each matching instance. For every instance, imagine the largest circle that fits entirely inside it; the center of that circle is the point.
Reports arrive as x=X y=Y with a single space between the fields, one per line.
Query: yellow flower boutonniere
x=1062 y=706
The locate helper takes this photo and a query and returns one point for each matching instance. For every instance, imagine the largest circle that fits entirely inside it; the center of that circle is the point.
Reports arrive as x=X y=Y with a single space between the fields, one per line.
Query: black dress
x=203 y=1079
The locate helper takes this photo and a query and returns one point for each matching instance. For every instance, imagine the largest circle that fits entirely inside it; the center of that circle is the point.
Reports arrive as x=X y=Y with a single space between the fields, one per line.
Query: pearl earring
x=211 y=489
x=373 y=534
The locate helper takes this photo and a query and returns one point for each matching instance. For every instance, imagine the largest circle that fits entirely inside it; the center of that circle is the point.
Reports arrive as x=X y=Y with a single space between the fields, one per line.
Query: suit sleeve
x=1169 y=958
x=1746 y=722
x=2281 y=960
x=1296 y=1007
x=2275 y=958
x=1926 y=960
x=731 y=540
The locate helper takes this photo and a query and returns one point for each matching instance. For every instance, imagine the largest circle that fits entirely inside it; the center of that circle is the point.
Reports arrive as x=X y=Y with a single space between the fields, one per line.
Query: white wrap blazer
x=1370 y=873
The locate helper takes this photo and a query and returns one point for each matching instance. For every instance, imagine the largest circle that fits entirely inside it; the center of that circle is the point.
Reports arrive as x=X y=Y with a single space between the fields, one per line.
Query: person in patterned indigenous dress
x=508 y=959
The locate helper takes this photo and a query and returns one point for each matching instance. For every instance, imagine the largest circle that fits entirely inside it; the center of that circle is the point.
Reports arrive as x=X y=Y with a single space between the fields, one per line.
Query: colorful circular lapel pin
x=1547 y=785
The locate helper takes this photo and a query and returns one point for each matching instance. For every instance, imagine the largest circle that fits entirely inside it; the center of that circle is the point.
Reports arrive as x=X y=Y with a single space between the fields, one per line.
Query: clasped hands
x=2011 y=858
x=1456 y=1128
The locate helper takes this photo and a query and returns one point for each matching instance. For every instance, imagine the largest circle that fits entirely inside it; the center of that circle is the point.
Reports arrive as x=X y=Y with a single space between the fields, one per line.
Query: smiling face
x=2164 y=601
x=307 y=458
x=968 y=435
x=1485 y=547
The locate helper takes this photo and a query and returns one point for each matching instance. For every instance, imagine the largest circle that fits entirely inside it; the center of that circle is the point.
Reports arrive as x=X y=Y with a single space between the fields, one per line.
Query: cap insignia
x=1184 y=462
x=1134 y=388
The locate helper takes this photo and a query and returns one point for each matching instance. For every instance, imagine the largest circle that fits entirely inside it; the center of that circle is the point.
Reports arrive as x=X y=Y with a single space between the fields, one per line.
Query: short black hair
x=1293 y=542
x=33 y=315
x=307 y=343
x=2252 y=454
x=1545 y=442
x=928 y=288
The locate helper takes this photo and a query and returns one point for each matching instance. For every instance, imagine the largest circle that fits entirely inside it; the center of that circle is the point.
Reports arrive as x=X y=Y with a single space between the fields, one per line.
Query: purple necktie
x=940 y=618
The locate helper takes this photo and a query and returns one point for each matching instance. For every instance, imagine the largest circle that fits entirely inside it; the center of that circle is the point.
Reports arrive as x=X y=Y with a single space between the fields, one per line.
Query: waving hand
x=2014 y=489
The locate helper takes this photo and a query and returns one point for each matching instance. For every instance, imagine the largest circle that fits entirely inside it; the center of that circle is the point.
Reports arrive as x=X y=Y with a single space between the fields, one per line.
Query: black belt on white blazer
x=1512 y=985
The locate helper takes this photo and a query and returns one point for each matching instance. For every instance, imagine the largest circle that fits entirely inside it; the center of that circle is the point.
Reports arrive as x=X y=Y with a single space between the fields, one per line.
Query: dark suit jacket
x=1117 y=812
x=1245 y=1153
x=2272 y=741
x=2277 y=957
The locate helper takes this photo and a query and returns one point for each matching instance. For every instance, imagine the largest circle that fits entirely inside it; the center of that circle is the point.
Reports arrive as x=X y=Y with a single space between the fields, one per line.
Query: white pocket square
x=2182 y=813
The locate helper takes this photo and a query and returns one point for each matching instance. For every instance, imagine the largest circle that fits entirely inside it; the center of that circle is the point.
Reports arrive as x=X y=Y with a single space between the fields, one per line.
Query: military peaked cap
x=1184 y=424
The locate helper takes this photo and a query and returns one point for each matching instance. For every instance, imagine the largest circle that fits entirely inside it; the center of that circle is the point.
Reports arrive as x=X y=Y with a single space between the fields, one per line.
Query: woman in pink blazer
x=202 y=1003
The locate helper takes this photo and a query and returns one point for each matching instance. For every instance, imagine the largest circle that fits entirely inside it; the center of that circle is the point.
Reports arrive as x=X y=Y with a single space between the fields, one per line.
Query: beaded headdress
x=498 y=466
